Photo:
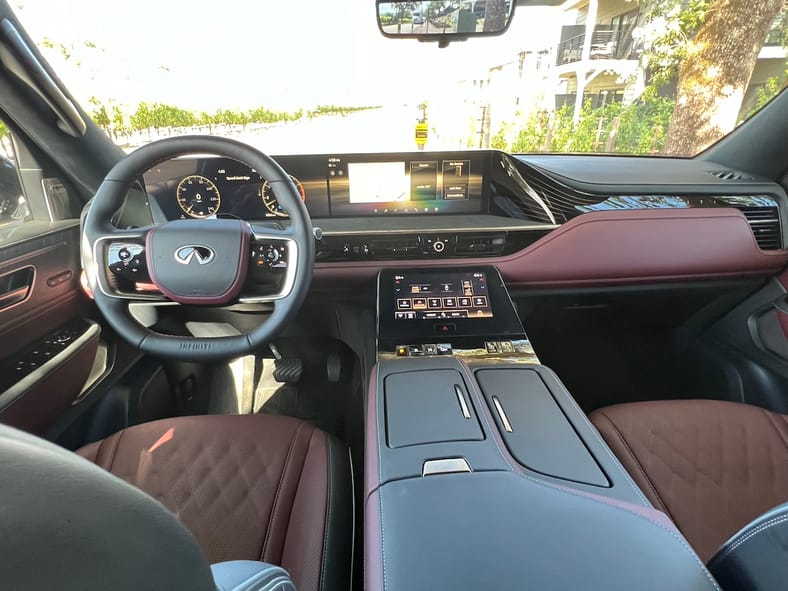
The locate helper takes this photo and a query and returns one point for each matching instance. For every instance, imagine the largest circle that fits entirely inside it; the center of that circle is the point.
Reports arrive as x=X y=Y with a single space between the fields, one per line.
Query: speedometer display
x=198 y=196
x=270 y=201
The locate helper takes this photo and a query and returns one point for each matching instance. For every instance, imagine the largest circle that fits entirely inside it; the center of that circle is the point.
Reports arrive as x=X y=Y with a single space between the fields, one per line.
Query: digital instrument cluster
x=330 y=185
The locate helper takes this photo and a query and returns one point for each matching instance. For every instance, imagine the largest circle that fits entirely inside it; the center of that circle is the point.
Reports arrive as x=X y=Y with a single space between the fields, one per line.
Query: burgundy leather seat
x=711 y=466
x=249 y=487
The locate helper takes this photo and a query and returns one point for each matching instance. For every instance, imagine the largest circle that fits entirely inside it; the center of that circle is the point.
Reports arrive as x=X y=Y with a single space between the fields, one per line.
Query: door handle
x=15 y=287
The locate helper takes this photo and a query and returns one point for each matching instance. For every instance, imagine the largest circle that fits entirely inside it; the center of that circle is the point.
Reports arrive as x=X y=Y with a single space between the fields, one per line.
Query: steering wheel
x=201 y=262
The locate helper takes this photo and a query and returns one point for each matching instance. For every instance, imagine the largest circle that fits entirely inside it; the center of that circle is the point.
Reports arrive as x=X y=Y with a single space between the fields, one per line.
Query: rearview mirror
x=444 y=21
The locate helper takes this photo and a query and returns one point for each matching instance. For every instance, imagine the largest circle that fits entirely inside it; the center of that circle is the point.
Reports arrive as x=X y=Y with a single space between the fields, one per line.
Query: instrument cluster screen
x=441 y=296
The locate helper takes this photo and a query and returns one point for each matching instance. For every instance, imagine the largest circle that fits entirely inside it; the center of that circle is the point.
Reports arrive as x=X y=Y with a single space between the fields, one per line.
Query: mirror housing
x=444 y=21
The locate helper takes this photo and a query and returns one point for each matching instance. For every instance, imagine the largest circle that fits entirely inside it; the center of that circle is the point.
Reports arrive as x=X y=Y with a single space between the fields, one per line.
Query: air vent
x=480 y=244
x=395 y=247
x=765 y=224
x=729 y=175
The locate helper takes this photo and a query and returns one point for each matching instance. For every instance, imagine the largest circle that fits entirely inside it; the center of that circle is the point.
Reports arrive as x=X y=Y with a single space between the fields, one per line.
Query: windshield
x=604 y=76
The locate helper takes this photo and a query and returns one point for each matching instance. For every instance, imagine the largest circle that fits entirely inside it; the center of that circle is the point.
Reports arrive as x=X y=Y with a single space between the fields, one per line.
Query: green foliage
x=668 y=26
x=767 y=92
x=639 y=128
x=3 y=130
x=159 y=116
x=99 y=113
x=321 y=110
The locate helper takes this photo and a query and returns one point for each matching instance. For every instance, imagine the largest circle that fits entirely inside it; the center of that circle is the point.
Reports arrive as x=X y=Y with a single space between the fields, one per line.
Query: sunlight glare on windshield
x=292 y=77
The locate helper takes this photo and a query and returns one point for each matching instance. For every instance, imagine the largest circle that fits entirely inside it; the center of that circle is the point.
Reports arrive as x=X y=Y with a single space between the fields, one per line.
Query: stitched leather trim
x=657 y=498
x=275 y=506
x=773 y=422
x=327 y=523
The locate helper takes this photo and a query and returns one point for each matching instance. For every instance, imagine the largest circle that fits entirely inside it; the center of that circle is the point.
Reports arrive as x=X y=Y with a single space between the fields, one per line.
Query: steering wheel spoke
x=121 y=268
x=272 y=266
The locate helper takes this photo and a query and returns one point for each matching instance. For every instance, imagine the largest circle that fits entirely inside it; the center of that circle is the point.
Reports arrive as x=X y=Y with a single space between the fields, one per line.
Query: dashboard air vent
x=395 y=247
x=729 y=175
x=482 y=244
x=765 y=224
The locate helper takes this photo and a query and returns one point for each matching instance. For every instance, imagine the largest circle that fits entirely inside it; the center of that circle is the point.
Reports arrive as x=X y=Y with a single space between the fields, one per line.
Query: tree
x=716 y=71
x=495 y=15
x=99 y=113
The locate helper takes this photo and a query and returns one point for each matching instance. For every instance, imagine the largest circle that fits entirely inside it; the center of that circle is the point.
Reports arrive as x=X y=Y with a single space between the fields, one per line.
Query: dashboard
x=346 y=185
x=540 y=220
x=377 y=209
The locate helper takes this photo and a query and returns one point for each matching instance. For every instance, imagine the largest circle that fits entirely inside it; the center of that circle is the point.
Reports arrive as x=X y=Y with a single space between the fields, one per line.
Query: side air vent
x=765 y=224
x=729 y=175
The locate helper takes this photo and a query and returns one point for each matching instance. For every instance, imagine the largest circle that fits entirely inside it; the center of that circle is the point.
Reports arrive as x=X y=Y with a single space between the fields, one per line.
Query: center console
x=481 y=471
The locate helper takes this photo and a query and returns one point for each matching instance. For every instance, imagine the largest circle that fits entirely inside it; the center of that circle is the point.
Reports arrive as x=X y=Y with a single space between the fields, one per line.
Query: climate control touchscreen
x=441 y=296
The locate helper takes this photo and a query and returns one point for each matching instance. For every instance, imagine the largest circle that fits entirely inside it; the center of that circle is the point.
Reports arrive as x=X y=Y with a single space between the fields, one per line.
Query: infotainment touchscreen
x=454 y=305
x=422 y=183
x=441 y=296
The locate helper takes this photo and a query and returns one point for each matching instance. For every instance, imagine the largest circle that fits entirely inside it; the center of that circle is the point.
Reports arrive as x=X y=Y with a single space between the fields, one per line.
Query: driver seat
x=249 y=487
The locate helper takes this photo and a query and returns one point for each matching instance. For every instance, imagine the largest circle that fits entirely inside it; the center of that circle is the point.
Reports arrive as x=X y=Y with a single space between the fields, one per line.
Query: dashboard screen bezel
x=326 y=196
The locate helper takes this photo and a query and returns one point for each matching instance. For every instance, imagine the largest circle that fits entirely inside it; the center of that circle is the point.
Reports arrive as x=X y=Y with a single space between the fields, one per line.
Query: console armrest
x=500 y=530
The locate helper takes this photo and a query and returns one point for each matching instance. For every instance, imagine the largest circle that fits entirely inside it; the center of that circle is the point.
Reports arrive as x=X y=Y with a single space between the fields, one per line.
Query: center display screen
x=426 y=183
x=452 y=305
x=444 y=296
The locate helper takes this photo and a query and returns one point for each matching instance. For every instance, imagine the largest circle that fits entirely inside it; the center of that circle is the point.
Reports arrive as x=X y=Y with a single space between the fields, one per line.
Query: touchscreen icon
x=480 y=302
x=446 y=287
x=404 y=304
x=465 y=302
x=449 y=302
x=419 y=304
x=434 y=303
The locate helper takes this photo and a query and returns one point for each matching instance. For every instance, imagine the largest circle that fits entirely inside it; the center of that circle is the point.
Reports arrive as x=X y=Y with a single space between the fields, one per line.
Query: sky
x=283 y=54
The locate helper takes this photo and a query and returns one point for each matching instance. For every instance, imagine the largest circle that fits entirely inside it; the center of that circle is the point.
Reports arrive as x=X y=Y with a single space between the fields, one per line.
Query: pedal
x=287 y=371
x=333 y=368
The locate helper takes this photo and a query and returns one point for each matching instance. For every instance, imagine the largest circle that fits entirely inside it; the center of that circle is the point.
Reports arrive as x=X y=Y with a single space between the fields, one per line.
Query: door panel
x=46 y=349
x=748 y=346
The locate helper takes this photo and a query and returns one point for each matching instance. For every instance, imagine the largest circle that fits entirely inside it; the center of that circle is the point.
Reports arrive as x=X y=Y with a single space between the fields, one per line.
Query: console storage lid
x=500 y=530
x=536 y=431
x=429 y=406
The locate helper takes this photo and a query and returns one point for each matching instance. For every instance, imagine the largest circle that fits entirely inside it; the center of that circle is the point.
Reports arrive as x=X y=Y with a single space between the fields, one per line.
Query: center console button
x=444 y=348
x=445 y=328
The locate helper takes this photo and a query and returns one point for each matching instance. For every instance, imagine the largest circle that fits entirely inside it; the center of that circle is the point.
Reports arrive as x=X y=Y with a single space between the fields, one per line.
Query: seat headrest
x=69 y=525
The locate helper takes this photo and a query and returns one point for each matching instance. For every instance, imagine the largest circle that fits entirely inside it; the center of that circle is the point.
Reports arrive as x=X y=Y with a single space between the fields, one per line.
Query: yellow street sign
x=421 y=134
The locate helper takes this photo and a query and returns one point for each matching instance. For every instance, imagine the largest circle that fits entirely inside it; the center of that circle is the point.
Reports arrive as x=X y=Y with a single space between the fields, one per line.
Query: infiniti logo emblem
x=194 y=252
